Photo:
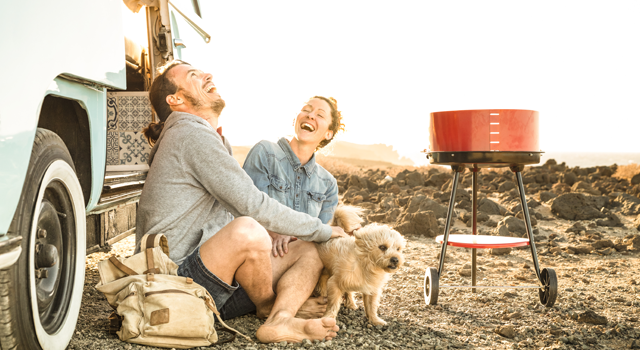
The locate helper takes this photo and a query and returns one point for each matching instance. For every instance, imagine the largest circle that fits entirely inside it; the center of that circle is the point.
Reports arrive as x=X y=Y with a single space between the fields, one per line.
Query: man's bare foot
x=313 y=308
x=281 y=327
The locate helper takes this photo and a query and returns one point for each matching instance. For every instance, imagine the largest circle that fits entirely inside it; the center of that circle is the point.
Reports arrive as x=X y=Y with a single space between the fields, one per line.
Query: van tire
x=40 y=294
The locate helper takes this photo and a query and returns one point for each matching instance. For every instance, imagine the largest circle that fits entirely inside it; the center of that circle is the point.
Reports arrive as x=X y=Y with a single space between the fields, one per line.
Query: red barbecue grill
x=486 y=138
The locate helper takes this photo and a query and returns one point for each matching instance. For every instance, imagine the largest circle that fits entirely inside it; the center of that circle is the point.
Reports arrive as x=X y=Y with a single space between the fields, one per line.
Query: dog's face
x=382 y=246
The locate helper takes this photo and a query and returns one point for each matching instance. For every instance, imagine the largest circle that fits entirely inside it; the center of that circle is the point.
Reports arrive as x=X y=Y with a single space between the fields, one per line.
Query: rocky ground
x=586 y=226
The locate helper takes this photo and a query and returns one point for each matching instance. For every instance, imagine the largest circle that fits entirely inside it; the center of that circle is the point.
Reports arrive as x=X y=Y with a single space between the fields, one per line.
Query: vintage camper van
x=73 y=102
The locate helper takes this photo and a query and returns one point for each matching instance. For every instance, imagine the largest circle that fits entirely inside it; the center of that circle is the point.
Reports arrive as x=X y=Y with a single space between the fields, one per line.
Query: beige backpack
x=154 y=306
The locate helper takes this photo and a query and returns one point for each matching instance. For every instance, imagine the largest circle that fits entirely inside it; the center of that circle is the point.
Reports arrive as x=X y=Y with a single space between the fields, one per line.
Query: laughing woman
x=287 y=171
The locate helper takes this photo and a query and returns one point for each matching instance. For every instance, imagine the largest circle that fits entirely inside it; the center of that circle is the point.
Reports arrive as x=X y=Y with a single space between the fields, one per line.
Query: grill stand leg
x=454 y=187
x=527 y=219
x=474 y=205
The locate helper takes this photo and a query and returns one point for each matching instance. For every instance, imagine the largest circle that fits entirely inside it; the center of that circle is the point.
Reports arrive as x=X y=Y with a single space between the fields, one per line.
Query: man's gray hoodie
x=195 y=187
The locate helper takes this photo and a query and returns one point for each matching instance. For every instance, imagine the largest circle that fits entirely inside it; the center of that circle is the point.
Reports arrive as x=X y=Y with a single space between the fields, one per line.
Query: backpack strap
x=154 y=240
x=122 y=267
x=151 y=267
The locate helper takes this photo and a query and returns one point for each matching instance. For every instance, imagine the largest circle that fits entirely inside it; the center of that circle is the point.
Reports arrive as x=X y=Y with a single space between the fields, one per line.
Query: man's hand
x=280 y=243
x=337 y=231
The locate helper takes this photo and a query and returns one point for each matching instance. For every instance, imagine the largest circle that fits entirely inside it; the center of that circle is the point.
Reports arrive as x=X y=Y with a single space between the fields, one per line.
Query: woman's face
x=313 y=121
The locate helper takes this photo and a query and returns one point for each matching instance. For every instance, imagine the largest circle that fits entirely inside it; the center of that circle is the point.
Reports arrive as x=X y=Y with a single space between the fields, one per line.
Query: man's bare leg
x=301 y=268
x=295 y=276
x=241 y=250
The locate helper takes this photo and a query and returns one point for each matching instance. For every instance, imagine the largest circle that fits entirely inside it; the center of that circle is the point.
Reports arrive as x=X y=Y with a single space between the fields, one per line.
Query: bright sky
x=389 y=64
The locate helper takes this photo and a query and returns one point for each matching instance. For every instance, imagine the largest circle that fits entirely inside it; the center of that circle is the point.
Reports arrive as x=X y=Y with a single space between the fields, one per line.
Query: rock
x=606 y=251
x=635 y=179
x=612 y=220
x=634 y=242
x=506 y=186
x=515 y=227
x=395 y=189
x=392 y=215
x=568 y=178
x=490 y=207
x=630 y=204
x=546 y=195
x=381 y=217
x=602 y=244
x=532 y=217
x=584 y=187
x=636 y=223
x=531 y=203
x=437 y=179
x=514 y=315
x=581 y=249
x=575 y=206
x=421 y=203
x=422 y=223
x=506 y=331
x=576 y=227
x=499 y=251
x=464 y=272
x=561 y=188
x=414 y=179
x=592 y=318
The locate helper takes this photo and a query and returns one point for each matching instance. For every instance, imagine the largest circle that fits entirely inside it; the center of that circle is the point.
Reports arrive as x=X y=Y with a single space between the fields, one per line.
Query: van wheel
x=40 y=294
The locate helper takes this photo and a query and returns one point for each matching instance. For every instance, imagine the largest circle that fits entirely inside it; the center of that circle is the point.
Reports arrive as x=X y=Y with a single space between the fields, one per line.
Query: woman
x=288 y=172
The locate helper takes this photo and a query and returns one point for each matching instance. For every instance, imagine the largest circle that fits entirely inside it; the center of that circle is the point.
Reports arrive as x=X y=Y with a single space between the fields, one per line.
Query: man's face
x=196 y=89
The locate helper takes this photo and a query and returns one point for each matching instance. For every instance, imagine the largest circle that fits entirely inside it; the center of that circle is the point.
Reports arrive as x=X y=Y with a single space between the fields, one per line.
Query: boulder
x=380 y=217
x=422 y=223
x=506 y=331
x=421 y=203
x=531 y=203
x=392 y=215
x=561 y=188
x=576 y=206
x=584 y=187
x=490 y=207
x=611 y=220
x=635 y=179
x=630 y=205
x=437 y=179
x=499 y=251
x=605 y=171
x=546 y=195
x=568 y=178
x=414 y=179
x=506 y=186
x=576 y=227
x=515 y=227
x=592 y=318
x=603 y=243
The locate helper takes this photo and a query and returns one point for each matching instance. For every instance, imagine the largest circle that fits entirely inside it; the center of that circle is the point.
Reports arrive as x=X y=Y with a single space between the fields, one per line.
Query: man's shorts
x=231 y=301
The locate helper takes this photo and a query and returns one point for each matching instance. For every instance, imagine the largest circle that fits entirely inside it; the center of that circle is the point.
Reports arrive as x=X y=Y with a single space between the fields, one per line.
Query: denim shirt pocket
x=314 y=203
x=278 y=189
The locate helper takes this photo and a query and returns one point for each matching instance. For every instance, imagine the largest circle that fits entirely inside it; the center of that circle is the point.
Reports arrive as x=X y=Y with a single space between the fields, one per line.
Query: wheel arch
x=70 y=121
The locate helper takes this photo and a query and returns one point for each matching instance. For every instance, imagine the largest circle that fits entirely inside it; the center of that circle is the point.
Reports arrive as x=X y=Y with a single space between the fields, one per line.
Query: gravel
x=593 y=288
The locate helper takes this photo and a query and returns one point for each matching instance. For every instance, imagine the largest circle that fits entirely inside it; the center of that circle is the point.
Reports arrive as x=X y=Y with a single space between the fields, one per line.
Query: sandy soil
x=607 y=285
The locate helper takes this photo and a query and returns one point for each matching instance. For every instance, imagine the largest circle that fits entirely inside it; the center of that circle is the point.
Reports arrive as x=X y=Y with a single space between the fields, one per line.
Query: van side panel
x=42 y=39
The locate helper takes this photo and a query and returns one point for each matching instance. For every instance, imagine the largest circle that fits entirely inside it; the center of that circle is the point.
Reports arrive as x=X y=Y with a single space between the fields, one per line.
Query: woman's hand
x=280 y=243
x=337 y=231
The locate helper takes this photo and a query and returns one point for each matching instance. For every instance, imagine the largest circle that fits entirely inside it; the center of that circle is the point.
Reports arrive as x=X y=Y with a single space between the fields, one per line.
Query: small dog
x=361 y=263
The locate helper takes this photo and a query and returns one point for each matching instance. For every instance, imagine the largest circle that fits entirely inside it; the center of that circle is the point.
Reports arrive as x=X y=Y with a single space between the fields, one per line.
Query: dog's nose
x=394 y=260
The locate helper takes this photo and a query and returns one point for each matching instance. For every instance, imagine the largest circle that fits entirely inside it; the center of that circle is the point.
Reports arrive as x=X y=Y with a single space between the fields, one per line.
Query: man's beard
x=216 y=106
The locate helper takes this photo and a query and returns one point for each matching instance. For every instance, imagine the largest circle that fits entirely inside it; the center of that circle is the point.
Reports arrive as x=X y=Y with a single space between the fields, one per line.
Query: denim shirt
x=277 y=171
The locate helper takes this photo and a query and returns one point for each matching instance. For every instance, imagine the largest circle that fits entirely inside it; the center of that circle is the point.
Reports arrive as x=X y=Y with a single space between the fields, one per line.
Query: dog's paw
x=378 y=322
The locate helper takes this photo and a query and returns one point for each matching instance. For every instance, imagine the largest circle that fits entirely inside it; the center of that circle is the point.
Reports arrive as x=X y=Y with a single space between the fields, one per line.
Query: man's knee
x=251 y=234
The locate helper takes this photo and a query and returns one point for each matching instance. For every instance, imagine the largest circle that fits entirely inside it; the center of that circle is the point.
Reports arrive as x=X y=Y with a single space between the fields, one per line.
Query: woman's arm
x=329 y=205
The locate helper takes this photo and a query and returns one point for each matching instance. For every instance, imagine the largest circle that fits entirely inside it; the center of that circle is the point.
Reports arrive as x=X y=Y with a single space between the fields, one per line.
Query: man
x=215 y=218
